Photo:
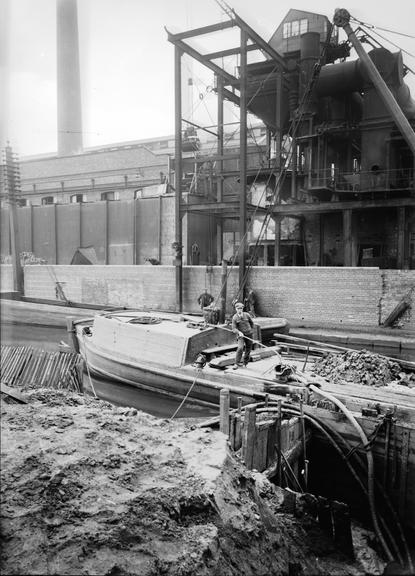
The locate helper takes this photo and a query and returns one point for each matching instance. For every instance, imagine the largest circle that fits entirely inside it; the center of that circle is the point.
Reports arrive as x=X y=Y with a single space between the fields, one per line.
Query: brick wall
x=342 y=296
x=396 y=285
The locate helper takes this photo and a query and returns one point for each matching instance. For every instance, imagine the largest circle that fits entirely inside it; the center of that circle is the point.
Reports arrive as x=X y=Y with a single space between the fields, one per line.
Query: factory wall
x=360 y=297
x=121 y=232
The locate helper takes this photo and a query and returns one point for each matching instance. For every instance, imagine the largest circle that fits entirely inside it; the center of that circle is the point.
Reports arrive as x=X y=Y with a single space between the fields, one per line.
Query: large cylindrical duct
x=68 y=79
x=339 y=79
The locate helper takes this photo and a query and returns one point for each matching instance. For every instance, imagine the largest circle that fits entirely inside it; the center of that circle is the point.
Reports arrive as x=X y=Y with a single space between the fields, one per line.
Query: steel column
x=277 y=240
x=401 y=237
x=347 y=237
x=178 y=168
x=243 y=164
x=219 y=179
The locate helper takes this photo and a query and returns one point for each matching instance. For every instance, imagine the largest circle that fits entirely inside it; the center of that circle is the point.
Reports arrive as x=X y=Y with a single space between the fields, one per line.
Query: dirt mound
x=362 y=367
x=88 y=488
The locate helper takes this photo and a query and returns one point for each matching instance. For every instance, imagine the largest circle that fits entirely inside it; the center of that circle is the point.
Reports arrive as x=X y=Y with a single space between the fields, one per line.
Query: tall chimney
x=68 y=79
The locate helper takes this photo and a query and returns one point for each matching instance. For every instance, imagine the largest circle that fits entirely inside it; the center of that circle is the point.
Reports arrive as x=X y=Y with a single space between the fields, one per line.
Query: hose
x=289 y=409
x=370 y=463
x=323 y=430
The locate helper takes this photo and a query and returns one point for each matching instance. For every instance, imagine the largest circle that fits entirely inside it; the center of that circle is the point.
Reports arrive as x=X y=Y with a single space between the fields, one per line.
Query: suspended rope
x=389 y=41
x=373 y=27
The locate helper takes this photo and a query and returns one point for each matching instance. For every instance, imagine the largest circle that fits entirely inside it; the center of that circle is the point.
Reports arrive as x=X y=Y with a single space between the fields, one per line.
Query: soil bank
x=88 y=488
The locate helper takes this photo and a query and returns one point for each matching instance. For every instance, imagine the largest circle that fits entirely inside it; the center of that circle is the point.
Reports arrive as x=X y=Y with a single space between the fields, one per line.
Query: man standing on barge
x=243 y=326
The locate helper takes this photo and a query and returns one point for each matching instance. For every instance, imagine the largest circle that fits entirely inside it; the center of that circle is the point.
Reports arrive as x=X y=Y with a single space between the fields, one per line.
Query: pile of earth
x=89 y=488
x=363 y=367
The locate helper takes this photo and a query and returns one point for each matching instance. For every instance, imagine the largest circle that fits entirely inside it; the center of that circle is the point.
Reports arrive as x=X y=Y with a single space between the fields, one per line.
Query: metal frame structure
x=226 y=86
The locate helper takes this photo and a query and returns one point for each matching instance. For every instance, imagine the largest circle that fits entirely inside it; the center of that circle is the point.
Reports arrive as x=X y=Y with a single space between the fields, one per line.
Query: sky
x=127 y=63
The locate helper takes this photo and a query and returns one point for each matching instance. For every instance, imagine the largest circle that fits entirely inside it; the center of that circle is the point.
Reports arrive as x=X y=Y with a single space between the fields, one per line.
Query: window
x=109 y=195
x=48 y=200
x=21 y=202
x=77 y=198
x=295 y=28
x=138 y=193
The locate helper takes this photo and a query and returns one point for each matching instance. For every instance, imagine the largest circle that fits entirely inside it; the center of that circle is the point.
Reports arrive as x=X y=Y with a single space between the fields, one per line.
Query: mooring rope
x=87 y=365
x=199 y=370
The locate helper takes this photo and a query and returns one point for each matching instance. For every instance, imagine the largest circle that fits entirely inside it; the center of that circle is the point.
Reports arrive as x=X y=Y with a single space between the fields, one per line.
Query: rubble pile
x=363 y=367
x=89 y=488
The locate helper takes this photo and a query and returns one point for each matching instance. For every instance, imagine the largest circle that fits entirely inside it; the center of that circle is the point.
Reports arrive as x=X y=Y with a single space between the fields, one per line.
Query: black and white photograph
x=207 y=281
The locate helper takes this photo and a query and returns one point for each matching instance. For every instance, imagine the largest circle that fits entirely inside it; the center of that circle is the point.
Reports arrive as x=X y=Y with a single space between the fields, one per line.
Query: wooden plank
x=271 y=441
x=342 y=527
x=13 y=393
x=325 y=519
x=224 y=411
x=260 y=451
x=248 y=436
x=238 y=432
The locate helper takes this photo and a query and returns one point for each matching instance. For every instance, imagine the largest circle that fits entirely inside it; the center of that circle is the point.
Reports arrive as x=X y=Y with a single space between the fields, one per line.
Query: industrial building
x=324 y=176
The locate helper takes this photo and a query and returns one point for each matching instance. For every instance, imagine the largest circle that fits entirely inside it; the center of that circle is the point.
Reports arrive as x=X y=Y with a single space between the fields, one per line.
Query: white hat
x=239 y=305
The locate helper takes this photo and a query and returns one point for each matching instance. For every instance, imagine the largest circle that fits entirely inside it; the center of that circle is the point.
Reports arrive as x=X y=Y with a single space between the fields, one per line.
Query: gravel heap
x=363 y=367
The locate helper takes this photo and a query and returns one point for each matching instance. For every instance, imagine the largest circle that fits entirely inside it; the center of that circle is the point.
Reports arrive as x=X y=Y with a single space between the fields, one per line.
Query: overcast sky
x=127 y=66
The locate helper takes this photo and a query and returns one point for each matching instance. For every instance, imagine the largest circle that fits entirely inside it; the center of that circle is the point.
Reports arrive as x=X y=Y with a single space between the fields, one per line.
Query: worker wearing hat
x=243 y=326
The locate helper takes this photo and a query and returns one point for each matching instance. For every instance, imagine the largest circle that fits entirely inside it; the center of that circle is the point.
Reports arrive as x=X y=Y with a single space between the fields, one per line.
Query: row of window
x=295 y=28
x=79 y=198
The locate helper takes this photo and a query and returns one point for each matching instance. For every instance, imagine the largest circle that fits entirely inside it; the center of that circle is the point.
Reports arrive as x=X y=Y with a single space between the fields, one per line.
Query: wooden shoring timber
x=6 y=359
x=14 y=363
x=263 y=441
x=399 y=461
x=37 y=374
x=54 y=369
x=46 y=371
x=26 y=367
x=248 y=435
x=259 y=460
x=29 y=358
x=63 y=369
x=342 y=527
x=35 y=368
x=13 y=393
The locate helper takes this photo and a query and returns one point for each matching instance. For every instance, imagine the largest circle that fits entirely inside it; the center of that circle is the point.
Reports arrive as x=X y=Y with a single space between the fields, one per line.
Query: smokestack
x=68 y=79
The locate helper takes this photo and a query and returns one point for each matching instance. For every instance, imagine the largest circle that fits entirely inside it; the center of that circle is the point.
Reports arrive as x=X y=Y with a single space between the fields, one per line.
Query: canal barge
x=181 y=357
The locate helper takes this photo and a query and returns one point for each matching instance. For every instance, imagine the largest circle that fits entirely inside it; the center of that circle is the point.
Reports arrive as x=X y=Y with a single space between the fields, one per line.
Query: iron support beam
x=203 y=30
x=258 y=40
x=230 y=52
x=200 y=127
x=231 y=97
x=277 y=240
x=347 y=237
x=401 y=244
x=219 y=182
x=200 y=58
x=178 y=167
x=243 y=165
x=300 y=209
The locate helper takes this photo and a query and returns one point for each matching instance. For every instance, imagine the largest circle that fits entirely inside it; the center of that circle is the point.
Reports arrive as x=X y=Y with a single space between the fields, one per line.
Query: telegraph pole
x=12 y=188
